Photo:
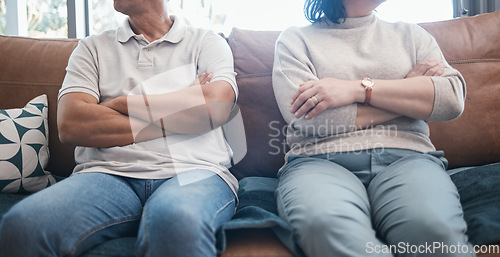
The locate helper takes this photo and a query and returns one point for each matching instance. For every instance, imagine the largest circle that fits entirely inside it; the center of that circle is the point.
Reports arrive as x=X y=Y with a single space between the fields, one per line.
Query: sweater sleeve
x=449 y=88
x=292 y=67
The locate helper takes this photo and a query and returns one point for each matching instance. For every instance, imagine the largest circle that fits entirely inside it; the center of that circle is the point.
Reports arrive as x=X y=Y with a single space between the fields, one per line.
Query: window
x=223 y=15
x=47 y=18
x=218 y=15
x=44 y=18
x=416 y=11
x=103 y=16
x=78 y=18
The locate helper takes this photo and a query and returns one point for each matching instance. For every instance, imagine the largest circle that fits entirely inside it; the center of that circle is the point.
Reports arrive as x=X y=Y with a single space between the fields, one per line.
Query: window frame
x=79 y=11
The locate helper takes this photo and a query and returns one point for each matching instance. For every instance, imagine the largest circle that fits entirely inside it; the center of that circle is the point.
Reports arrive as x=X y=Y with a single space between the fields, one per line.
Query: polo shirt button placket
x=145 y=57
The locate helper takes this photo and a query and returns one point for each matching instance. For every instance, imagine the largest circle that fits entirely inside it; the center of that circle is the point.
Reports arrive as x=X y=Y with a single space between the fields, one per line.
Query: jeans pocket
x=439 y=158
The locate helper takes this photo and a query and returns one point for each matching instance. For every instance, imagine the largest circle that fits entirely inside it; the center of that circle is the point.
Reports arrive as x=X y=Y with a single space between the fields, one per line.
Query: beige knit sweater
x=359 y=47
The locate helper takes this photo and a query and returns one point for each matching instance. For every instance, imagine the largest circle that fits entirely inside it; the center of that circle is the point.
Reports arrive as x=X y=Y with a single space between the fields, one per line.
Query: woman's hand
x=315 y=96
x=428 y=67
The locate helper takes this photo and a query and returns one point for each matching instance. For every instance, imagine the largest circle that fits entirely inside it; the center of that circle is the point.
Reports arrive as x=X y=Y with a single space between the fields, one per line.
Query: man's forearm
x=83 y=122
x=193 y=110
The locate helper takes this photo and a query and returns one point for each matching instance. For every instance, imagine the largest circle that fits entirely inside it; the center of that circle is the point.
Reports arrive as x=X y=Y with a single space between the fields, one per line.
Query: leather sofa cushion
x=479 y=190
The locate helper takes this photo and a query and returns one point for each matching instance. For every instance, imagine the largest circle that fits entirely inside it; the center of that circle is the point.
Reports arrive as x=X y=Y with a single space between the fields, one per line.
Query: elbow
x=450 y=112
x=66 y=134
x=220 y=107
x=456 y=110
x=449 y=100
x=220 y=115
x=455 y=107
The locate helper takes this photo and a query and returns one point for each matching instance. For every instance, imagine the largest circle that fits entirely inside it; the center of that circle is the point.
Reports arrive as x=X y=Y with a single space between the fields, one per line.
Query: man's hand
x=203 y=78
x=196 y=109
x=119 y=104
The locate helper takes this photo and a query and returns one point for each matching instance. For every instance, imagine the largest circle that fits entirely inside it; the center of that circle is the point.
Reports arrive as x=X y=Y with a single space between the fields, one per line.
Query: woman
x=362 y=176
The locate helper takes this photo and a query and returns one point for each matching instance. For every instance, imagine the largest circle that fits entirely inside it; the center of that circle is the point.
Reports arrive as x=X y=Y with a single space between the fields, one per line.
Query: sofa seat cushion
x=24 y=150
x=479 y=190
x=256 y=221
x=8 y=200
x=257 y=210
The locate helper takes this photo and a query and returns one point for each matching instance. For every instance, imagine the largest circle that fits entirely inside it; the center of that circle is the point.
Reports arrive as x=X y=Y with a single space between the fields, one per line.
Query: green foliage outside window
x=47 y=18
x=3 y=19
x=104 y=16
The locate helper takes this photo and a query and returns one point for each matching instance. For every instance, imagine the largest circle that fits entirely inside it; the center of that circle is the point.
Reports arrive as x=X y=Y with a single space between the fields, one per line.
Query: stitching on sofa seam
x=254 y=75
x=466 y=61
x=30 y=83
x=40 y=39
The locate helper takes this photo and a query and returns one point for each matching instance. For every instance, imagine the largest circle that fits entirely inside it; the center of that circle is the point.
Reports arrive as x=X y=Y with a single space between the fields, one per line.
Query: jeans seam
x=149 y=186
x=100 y=227
x=144 y=229
x=217 y=213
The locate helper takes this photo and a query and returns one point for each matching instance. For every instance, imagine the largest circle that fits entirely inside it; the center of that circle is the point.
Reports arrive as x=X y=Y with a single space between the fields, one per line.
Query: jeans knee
x=432 y=229
x=18 y=227
x=187 y=221
x=17 y=223
x=315 y=226
x=182 y=221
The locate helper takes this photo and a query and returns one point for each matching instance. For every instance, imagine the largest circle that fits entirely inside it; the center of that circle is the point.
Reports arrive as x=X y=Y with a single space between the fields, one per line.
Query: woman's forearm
x=368 y=116
x=412 y=97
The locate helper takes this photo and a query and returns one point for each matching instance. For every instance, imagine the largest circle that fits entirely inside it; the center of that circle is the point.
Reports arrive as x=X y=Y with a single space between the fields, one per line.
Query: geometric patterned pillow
x=24 y=150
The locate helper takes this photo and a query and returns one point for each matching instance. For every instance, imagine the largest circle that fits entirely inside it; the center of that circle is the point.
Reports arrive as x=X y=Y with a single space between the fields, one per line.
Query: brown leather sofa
x=31 y=67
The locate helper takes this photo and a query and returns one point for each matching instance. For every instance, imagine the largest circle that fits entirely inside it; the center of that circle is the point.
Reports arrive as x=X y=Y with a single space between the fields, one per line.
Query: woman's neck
x=360 y=8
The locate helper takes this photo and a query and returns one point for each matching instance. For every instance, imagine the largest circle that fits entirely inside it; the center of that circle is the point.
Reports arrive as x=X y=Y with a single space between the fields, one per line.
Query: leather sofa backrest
x=31 y=67
x=471 y=45
x=253 y=53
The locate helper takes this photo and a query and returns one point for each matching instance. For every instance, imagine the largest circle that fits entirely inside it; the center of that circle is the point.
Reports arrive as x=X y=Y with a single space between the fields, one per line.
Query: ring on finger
x=315 y=100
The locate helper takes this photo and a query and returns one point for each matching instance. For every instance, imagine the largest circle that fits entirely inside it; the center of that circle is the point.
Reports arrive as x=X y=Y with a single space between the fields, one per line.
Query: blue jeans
x=171 y=217
x=381 y=202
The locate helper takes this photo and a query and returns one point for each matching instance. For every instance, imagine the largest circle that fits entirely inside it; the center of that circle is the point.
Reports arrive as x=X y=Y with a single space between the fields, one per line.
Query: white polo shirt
x=119 y=62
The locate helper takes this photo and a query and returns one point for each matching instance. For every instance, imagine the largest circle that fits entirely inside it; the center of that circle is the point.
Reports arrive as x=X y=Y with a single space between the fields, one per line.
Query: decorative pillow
x=24 y=151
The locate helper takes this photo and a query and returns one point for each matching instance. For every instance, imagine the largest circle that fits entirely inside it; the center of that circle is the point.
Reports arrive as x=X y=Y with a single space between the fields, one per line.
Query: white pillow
x=24 y=149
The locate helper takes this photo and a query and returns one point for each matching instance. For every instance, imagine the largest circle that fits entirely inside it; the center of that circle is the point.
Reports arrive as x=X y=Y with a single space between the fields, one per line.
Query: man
x=150 y=152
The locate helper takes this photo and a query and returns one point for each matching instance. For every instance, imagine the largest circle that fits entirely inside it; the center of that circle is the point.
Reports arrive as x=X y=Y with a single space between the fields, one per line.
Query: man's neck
x=152 y=27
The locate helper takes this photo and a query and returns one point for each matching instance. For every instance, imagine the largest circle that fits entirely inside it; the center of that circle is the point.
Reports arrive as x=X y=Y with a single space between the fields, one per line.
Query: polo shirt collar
x=174 y=35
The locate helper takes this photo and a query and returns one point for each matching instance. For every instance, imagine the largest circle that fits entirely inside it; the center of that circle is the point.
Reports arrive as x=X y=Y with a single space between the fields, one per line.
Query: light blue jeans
x=381 y=202
x=170 y=218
